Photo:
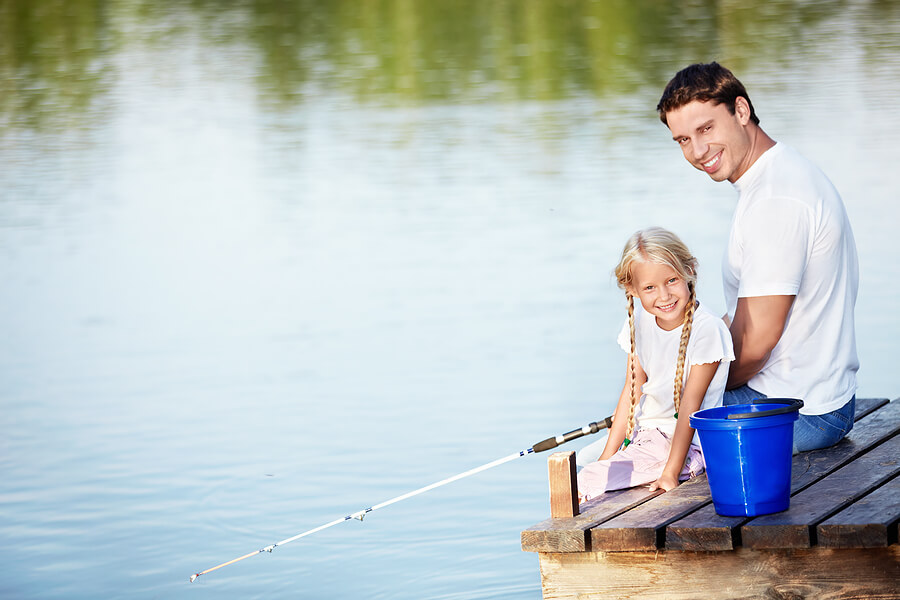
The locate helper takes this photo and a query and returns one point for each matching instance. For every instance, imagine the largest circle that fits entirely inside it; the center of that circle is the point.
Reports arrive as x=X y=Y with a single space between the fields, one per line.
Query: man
x=790 y=272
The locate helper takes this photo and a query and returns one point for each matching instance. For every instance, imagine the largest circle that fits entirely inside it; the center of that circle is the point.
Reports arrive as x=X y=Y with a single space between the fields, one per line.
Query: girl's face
x=662 y=291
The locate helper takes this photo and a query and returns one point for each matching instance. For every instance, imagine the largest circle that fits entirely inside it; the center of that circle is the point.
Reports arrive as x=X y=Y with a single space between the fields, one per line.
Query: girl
x=678 y=355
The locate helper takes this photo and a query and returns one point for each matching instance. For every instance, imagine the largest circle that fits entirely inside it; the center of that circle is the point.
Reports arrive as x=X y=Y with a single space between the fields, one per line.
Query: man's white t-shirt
x=791 y=236
x=657 y=350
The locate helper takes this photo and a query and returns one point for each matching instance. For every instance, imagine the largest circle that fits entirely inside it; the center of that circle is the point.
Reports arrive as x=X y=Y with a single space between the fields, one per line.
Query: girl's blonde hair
x=657 y=245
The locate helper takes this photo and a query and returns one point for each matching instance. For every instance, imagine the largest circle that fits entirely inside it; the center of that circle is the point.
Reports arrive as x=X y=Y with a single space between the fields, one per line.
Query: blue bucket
x=747 y=448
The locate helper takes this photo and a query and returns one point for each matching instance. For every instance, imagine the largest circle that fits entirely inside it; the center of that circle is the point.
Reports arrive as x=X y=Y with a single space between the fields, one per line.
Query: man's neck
x=759 y=143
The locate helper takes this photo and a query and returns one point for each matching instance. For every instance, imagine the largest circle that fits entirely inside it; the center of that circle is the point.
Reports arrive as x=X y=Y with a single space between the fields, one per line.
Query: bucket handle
x=794 y=404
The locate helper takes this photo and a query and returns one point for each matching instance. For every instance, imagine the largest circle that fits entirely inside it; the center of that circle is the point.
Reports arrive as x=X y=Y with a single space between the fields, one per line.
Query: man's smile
x=711 y=165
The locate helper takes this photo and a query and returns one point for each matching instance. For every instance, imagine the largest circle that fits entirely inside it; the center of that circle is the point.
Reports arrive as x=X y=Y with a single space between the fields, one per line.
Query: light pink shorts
x=641 y=463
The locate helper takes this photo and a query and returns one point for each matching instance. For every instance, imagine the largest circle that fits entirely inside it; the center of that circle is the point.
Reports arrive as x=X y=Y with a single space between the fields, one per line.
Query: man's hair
x=704 y=82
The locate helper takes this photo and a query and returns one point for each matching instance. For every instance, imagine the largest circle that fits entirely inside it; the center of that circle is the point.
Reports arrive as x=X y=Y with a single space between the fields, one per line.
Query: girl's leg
x=693 y=464
x=820 y=431
x=640 y=463
x=590 y=453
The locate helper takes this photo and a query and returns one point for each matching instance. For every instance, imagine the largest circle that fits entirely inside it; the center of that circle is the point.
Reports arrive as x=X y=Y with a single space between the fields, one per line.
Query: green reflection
x=59 y=58
x=462 y=50
x=50 y=59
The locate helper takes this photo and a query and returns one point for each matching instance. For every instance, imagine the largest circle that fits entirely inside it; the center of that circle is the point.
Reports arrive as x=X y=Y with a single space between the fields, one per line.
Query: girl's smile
x=662 y=291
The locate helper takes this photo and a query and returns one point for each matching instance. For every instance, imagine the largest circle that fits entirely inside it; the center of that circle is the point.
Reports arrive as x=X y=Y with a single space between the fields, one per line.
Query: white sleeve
x=776 y=245
x=712 y=342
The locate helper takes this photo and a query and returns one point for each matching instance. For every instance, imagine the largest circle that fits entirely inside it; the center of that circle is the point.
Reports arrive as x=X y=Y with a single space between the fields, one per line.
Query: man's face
x=712 y=139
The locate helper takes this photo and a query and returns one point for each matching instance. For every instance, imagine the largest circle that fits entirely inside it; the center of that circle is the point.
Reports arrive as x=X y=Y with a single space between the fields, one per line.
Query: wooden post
x=563 y=485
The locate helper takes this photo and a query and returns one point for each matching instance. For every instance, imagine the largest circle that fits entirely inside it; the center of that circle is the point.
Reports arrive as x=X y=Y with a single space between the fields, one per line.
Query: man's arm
x=755 y=330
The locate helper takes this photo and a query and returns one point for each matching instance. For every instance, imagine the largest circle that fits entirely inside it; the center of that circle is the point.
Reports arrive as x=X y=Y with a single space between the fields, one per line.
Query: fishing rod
x=547 y=444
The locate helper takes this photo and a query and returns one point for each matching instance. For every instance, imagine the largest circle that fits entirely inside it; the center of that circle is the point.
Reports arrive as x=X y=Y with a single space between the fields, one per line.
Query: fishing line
x=547 y=444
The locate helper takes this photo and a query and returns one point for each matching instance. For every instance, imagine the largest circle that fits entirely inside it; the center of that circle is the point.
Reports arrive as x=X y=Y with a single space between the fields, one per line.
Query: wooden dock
x=838 y=539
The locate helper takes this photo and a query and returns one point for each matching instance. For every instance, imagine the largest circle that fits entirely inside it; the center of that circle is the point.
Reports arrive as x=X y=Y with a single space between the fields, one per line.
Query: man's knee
x=812 y=432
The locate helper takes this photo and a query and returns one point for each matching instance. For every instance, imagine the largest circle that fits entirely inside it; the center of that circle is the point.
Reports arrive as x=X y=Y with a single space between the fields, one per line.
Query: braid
x=682 y=349
x=633 y=357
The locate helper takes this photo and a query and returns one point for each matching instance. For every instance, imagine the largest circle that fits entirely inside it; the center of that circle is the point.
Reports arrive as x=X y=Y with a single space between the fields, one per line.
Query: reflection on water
x=59 y=59
x=268 y=262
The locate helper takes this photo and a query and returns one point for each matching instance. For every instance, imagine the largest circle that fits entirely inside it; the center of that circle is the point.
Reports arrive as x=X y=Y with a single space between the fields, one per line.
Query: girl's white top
x=657 y=350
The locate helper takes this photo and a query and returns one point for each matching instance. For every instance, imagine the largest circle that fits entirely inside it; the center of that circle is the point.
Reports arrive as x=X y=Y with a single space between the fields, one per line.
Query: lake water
x=265 y=264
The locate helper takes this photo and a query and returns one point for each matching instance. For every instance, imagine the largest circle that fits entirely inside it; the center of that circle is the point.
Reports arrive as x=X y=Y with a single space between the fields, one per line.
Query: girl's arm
x=623 y=408
x=691 y=398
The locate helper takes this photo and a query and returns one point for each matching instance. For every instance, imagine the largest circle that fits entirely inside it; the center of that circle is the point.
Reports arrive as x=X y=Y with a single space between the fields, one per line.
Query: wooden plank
x=866 y=523
x=813 y=573
x=864 y=406
x=640 y=527
x=704 y=530
x=563 y=485
x=571 y=535
x=794 y=527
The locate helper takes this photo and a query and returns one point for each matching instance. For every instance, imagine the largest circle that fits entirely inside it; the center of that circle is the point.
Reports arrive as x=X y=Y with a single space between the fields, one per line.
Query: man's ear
x=742 y=110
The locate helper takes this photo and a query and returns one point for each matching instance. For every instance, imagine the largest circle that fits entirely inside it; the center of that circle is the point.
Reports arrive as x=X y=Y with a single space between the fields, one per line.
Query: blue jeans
x=810 y=431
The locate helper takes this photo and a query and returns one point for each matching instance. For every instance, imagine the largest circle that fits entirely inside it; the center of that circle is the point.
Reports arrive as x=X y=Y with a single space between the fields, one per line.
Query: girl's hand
x=665 y=482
